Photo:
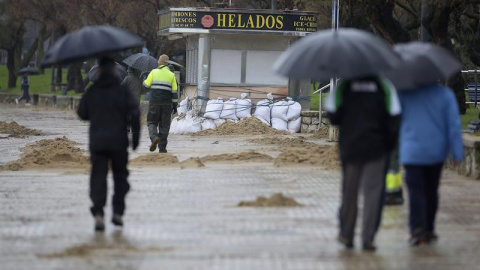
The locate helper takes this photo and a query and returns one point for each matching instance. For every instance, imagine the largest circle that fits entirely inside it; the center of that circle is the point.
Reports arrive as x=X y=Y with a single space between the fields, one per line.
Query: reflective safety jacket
x=163 y=86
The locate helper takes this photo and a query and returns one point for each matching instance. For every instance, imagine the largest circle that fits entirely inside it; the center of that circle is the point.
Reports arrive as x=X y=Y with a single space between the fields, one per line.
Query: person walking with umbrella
x=111 y=109
x=163 y=96
x=366 y=108
x=133 y=82
x=25 y=85
x=430 y=130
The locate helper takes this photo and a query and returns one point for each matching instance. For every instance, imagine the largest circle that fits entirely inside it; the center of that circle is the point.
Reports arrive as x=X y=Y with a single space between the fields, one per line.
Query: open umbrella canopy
x=347 y=53
x=28 y=70
x=141 y=61
x=90 y=41
x=120 y=70
x=174 y=63
x=422 y=64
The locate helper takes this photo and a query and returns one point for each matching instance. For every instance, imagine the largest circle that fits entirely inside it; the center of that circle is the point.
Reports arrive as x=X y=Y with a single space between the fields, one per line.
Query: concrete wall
x=470 y=166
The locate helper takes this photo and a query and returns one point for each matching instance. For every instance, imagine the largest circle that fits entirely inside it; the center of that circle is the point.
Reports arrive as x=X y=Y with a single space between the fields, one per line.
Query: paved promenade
x=187 y=218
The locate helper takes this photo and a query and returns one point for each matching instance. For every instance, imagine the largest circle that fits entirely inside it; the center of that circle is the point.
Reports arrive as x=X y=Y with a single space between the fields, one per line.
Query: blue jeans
x=423 y=182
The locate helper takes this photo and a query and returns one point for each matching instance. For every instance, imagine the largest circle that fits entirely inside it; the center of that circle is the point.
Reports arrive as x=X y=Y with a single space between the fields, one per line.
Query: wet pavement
x=187 y=219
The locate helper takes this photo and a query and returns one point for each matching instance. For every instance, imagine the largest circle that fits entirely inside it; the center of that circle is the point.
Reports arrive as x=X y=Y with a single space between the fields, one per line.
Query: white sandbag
x=263 y=121
x=244 y=108
x=295 y=125
x=208 y=124
x=214 y=108
x=193 y=125
x=180 y=127
x=262 y=111
x=219 y=122
x=294 y=110
x=279 y=124
x=279 y=110
x=173 y=126
x=229 y=109
x=183 y=108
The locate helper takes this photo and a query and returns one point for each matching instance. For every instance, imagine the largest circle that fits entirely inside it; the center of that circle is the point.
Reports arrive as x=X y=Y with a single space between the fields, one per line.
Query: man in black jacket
x=110 y=108
x=367 y=111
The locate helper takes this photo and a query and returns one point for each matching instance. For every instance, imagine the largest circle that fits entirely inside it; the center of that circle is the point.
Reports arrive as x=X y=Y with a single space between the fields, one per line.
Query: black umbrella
x=90 y=41
x=141 y=61
x=347 y=53
x=93 y=73
x=28 y=70
x=423 y=63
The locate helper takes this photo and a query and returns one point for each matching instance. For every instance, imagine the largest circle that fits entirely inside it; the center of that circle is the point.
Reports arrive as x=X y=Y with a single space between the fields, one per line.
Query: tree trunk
x=74 y=78
x=437 y=23
x=40 y=47
x=31 y=51
x=12 y=77
x=59 y=75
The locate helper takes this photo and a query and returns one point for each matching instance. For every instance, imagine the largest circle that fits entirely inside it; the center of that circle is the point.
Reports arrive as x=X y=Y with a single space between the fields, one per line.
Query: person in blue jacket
x=430 y=129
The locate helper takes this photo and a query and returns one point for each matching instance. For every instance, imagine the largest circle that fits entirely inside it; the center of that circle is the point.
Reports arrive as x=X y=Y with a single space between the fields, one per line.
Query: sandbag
x=279 y=110
x=173 y=126
x=295 y=125
x=183 y=108
x=208 y=124
x=294 y=110
x=214 y=108
x=219 y=122
x=244 y=108
x=229 y=109
x=193 y=125
x=279 y=124
x=262 y=111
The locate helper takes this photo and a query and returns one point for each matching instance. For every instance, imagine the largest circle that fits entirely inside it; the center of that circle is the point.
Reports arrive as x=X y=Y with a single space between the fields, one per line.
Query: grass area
x=314 y=98
x=470 y=115
x=39 y=84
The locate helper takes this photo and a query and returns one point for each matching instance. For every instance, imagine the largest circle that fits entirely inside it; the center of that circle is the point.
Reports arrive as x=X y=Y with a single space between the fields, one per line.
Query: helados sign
x=239 y=20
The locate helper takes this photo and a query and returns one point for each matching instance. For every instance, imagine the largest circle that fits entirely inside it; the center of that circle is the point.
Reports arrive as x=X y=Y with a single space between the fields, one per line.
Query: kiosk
x=230 y=51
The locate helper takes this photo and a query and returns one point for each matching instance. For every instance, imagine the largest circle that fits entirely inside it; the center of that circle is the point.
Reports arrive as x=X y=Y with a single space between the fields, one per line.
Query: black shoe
x=430 y=237
x=417 y=238
x=347 y=243
x=369 y=246
x=99 y=223
x=117 y=220
x=154 y=144
x=163 y=150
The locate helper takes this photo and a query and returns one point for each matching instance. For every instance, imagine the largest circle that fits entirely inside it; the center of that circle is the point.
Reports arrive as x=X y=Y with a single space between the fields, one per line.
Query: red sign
x=208 y=21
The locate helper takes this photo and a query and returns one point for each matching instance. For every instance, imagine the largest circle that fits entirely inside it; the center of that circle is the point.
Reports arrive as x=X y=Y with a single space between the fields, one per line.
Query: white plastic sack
x=219 y=122
x=279 y=124
x=294 y=110
x=295 y=125
x=229 y=109
x=262 y=111
x=173 y=126
x=183 y=108
x=208 y=124
x=244 y=108
x=193 y=125
x=279 y=110
x=214 y=108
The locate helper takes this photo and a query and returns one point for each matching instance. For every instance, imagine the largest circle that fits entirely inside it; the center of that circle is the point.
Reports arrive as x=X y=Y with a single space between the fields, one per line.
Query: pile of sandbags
x=282 y=115
x=186 y=123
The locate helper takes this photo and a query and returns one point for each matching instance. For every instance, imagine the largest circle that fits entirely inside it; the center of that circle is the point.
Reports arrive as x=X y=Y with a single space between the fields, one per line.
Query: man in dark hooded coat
x=111 y=109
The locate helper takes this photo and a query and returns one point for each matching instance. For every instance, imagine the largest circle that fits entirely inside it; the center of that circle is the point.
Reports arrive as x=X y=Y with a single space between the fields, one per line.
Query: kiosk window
x=226 y=66
x=259 y=69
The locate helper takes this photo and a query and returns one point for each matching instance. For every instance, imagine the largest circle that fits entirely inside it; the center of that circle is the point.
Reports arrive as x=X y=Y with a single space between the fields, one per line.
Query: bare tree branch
x=406 y=8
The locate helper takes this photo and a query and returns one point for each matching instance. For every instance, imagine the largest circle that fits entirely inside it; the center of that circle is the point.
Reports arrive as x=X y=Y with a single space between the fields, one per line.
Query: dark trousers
x=25 y=95
x=98 y=180
x=372 y=177
x=423 y=182
x=158 y=122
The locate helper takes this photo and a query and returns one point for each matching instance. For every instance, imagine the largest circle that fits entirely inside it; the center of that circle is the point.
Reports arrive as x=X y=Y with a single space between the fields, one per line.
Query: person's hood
x=107 y=80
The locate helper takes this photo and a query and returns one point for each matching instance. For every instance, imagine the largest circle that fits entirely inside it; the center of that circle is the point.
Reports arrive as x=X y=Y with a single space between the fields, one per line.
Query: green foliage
x=470 y=115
